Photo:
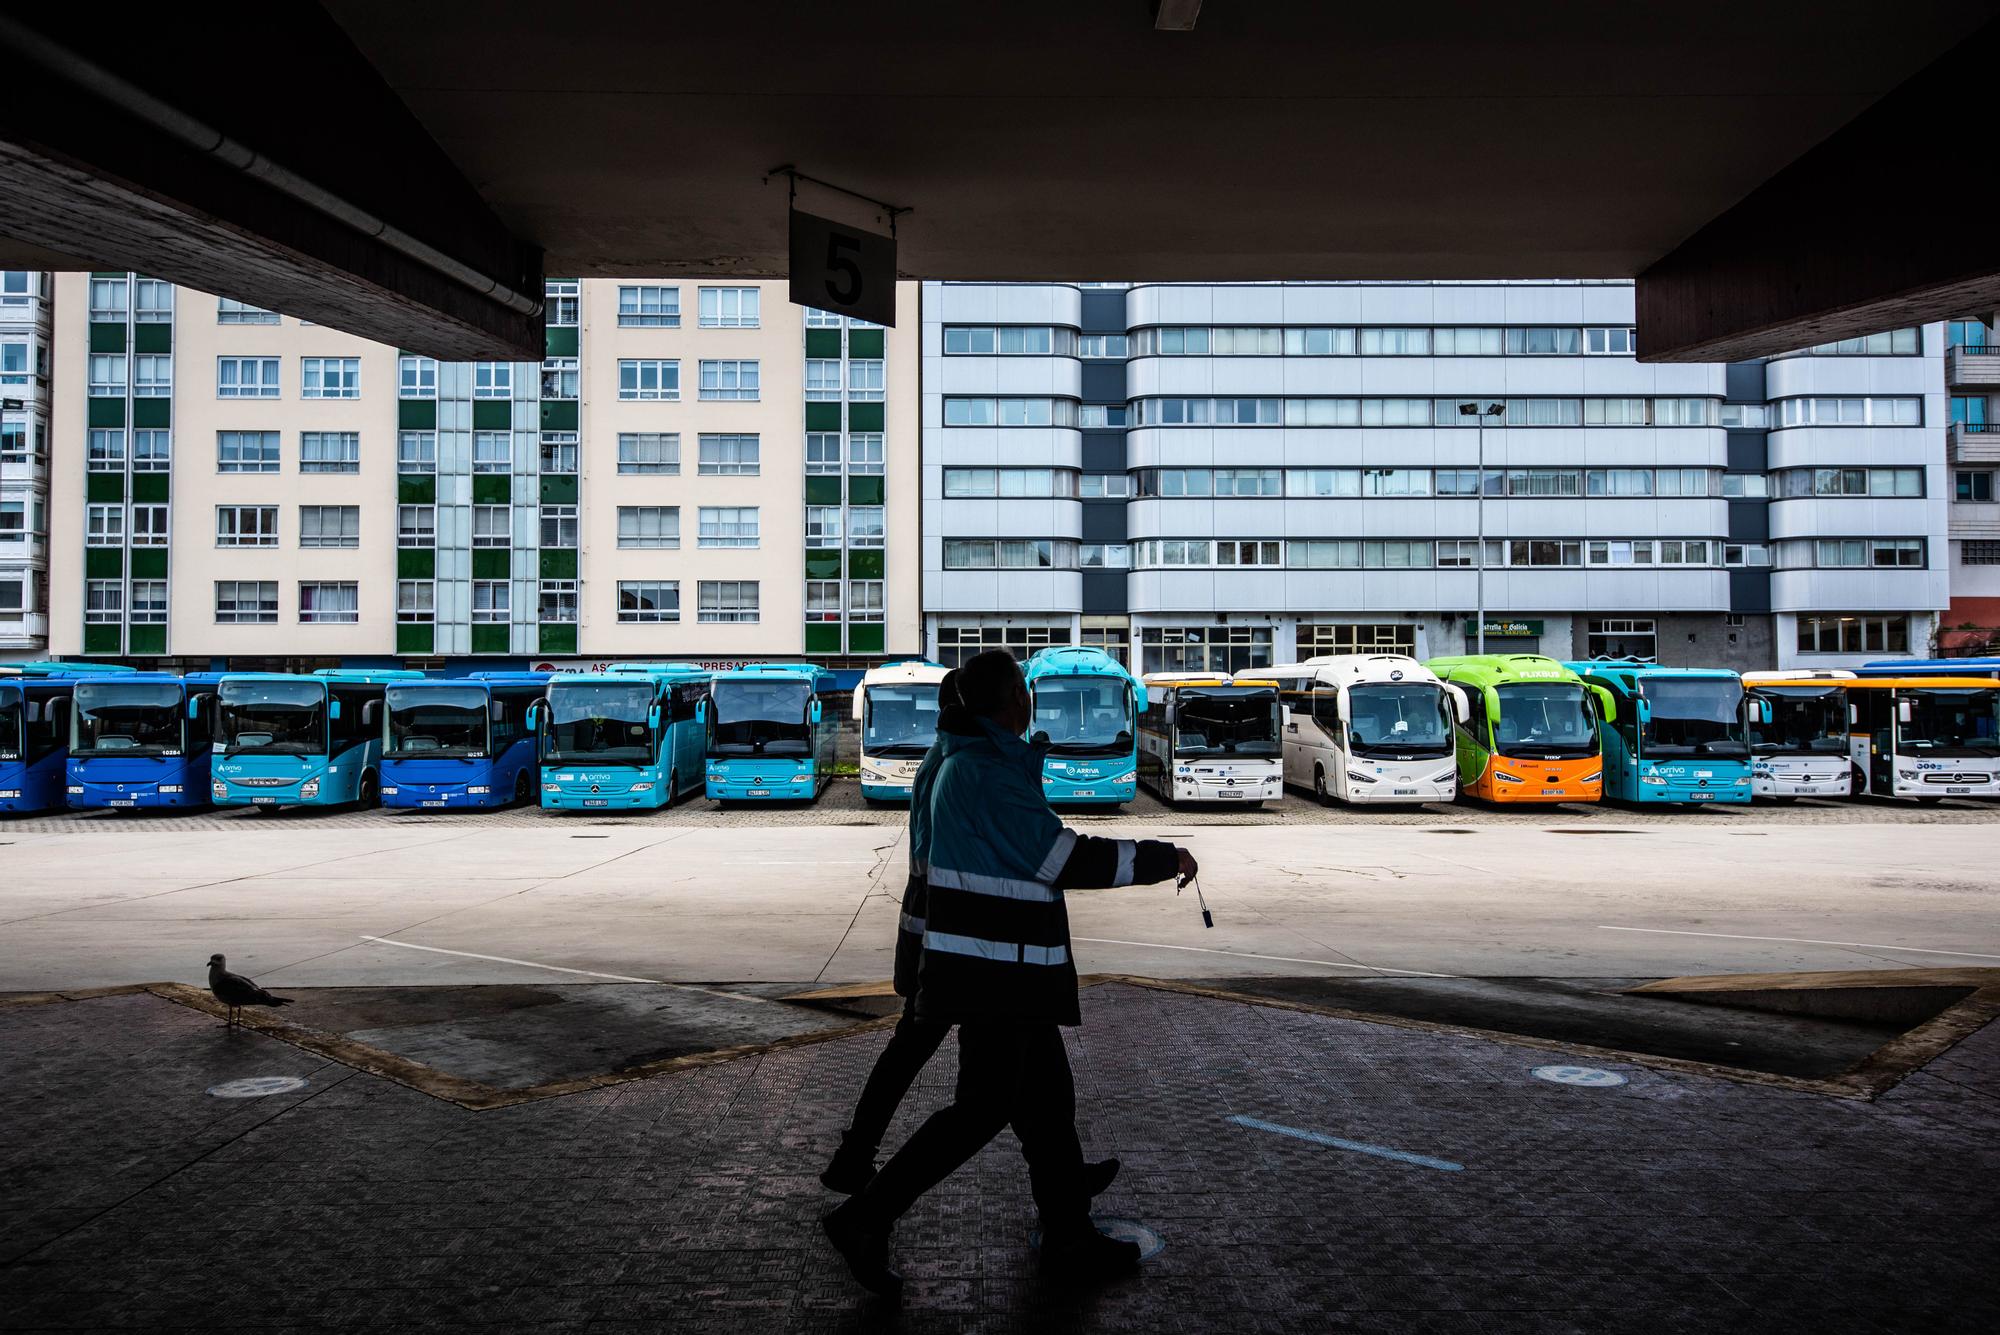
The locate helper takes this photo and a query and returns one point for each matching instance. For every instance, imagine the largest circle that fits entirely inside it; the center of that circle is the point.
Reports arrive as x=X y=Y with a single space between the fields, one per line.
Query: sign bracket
x=793 y=176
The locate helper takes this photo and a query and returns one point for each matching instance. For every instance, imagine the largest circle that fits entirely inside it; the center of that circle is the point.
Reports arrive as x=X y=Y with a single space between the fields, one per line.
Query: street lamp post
x=1479 y=414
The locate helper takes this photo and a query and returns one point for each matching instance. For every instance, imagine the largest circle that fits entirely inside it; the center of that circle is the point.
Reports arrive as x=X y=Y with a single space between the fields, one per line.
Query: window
x=1008 y=554
x=558 y=602
x=416 y=526
x=562 y=296
x=330 y=377
x=1315 y=482
x=1204 y=648
x=153 y=376
x=649 y=600
x=1395 y=482
x=1973 y=486
x=729 y=307
x=1968 y=411
x=1462 y=342
x=18 y=288
x=329 y=526
x=823 y=526
x=152 y=301
x=559 y=378
x=1240 y=412
x=416 y=601
x=228 y=310
x=13 y=520
x=149 y=526
x=416 y=452
x=822 y=379
x=14 y=362
x=1357 y=638
x=246 y=602
x=330 y=452
x=559 y=452
x=727 y=526
x=104 y=450
x=1745 y=486
x=492 y=526
x=246 y=451
x=1612 y=342
x=1739 y=555
x=149 y=602
x=107 y=375
x=104 y=525
x=246 y=525
x=1171 y=552
x=1229 y=553
x=1850 y=412
x=1543 y=552
x=490 y=600
x=336 y=603
x=1005 y=340
x=103 y=601
x=1544 y=482
x=1104 y=486
x=107 y=299
x=1622 y=638
x=1893 y=342
x=1875 y=553
x=1105 y=556
x=958 y=643
x=726 y=600
x=1957 y=333
x=152 y=450
x=558 y=526
x=493 y=380
x=649 y=380
x=822 y=600
x=822 y=452
x=649 y=307
x=1746 y=416
x=492 y=451
x=1101 y=415
x=240 y=377
x=416 y=378
x=1544 y=412
x=649 y=452
x=1095 y=346
x=1544 y=342
x=864 y=380
x=999 y=412
x=866 y=600
x=727 y=455
x=1618 y=482
x=865 y=453
x=1854 y=634
x=1981 y=552
x=864 y=525
x=656 y=526
x=1397 y=342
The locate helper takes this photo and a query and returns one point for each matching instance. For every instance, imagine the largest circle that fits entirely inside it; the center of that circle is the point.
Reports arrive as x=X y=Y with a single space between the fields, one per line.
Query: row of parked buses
x=1360 y=728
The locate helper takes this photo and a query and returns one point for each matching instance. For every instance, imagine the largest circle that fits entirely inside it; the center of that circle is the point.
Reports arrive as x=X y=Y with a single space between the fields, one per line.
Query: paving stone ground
x=130 y=1199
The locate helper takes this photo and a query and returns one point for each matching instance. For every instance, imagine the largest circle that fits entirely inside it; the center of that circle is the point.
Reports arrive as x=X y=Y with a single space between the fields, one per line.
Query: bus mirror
x=701 y=711
x=1854 y=716
x=195 y=704
x=1461 y=708
x=855 y=703
x=370 y=713
x=535 y=716
x=333 y=708
x=1764 y=712
x=1904 y=712
x=1643 y=708
x=1171 y=711
x=653 y=718
x=1607 y=706
x=815 y=710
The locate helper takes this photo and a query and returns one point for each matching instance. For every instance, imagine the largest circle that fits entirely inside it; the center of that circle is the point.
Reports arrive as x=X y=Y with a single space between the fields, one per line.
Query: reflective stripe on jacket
x=910 y=923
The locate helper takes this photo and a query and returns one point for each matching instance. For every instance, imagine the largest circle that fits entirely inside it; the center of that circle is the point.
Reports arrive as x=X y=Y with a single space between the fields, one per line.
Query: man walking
x=996 y=961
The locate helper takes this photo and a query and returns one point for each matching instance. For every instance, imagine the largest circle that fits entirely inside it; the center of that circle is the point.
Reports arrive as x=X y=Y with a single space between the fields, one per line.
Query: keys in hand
x=1188 y=867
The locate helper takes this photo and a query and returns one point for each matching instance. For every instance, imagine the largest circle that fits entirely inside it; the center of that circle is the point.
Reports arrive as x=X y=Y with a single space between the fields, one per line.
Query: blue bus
x=1086 y=712
x=1931 y=667
x=463 y=742
x=34 y=731
x=770 y=735
x=626 y=738
x=1676 y=735
x=285 y=740
x=142 y=739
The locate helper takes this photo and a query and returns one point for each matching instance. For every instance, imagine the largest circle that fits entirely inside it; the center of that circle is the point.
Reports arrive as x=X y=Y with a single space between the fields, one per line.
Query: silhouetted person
x=996 y=961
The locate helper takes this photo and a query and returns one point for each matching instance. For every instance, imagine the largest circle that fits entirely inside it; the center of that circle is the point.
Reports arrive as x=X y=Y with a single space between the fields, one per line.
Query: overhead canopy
x=410 y=171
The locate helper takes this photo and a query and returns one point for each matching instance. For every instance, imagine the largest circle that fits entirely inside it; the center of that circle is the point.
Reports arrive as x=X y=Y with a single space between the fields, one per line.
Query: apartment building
x=1221 y=477
x=695 y=471
x=1972 y=377
x=24 y=463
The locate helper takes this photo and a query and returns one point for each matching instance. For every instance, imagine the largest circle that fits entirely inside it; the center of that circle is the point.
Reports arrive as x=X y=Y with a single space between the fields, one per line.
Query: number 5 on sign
x=843 y=269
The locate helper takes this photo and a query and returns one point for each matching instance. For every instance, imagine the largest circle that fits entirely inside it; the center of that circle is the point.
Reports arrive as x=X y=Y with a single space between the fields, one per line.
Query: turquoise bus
x=625 y=739
x=1086 y=712
x=462 y=742
x=142 y=739
x=34 y=731
x=1674 y=734
x=770 y=735
x=285 y=740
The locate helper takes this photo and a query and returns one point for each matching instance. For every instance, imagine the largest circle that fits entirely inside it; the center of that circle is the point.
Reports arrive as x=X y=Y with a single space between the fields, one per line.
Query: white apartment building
x=24 y=463
x=1228 y=476
x=697 y=470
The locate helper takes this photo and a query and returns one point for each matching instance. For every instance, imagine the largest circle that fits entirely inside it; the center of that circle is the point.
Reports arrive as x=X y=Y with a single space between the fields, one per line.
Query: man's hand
x=1188 y=866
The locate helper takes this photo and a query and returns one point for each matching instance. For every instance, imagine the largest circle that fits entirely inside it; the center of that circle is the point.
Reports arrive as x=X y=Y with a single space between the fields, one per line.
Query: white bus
x=1799 y=735
x=1206 y=737
x=897 y=707
x=1369 y=728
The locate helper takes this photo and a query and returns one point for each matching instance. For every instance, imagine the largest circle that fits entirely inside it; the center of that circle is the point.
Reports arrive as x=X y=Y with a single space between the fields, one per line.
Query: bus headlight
x=1358 y=777
x=551 y=787
x=10 y=792
x=1743 y=782
x=1906 y=774
x=1592 y=778
x=1653 y=779
x=1445 y=777
x=218 y=789
x=802 y=778
x=170 y=788
x=1128 y=776
x=1508 y=778
x=476 y=789
x=76 y=790
x=637 y=788
x=310 y=788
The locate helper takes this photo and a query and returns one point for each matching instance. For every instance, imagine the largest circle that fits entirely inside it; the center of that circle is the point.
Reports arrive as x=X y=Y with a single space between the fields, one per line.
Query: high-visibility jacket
x=996 y=931
x=910 y=923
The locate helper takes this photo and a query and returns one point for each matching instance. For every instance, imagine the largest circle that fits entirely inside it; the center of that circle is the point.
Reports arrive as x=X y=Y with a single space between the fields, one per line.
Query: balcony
x=24 y=630
x=1972 y=366
x=1974 y=519
x=1974 y=442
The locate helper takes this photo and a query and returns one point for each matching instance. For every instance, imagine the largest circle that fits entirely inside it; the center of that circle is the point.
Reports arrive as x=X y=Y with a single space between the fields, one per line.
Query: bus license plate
x=1230 y=792
x=1700 y=797
x=1402 y=792
x=262 y=801
x=1084 y=792
x=133 y=801
x=438 y=803
x=760 y=792
x=1948 y=790
x=595 y=802
x=1552 y=792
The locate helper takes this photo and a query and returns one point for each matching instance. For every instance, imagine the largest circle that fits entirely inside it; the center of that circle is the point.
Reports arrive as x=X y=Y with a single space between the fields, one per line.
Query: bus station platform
x=1300 y=1169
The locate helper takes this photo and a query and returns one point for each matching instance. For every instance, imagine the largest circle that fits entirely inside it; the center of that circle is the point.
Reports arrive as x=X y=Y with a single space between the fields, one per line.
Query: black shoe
x=1097 y=1176
x=866 y=1252
x=850 y=1171
x=1089 y=1257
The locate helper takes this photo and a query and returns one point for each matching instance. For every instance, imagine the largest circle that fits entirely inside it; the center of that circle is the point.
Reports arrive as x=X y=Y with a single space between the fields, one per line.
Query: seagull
x=235 y=991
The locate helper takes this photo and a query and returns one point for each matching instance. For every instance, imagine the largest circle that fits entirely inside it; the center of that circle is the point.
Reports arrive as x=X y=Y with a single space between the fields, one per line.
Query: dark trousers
x=1008 y=1074
x=912 y=1044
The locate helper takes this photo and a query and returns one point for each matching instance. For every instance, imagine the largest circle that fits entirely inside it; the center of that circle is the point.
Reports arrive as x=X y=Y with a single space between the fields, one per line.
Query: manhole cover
x=258 y=1086
x=1151 y=1244
x=1594 y=1076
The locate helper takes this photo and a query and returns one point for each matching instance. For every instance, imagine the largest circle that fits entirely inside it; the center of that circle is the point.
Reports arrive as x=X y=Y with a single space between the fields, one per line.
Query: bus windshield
x=137 y=718
x=10 y=723
x=600 y=723
x=1805 y=721
x=1226 y=723
x=1401 y=720
x=899 y=720
x=273 y=717
x=1951 y=723
x=760 y=718
x=1083 y=716
x=436 y=721
x=1546 y=718
x=1693 y=716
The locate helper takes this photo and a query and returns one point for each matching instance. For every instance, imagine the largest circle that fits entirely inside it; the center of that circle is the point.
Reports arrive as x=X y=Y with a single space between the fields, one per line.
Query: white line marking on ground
x=1802 y=941
x=1280 y=959
x=557 y=968
x=1338 y=1143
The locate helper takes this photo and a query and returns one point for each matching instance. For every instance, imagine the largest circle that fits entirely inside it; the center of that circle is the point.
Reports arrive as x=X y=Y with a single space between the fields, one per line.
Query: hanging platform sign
x=842 y=269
